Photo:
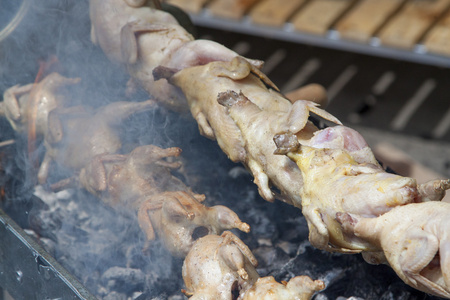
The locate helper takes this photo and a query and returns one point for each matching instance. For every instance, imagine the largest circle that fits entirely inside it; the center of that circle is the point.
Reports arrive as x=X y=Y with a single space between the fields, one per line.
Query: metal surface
x=27 y=271
x=331 y=40
x=14 y=22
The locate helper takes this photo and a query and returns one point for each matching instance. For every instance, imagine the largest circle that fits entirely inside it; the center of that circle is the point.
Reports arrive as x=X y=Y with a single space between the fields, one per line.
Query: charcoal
x=288 y=248
x=136 y=295
x=130 y=279
x=270 y=259
x=115 y=296
x=261 y=226
x=293 y=228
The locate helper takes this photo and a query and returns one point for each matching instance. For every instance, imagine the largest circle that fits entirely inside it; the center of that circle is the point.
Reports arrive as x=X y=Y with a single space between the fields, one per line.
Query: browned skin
x=142 y=182
x=223 y=267
x=47 y=96
x=218 y=266
x=75 y=135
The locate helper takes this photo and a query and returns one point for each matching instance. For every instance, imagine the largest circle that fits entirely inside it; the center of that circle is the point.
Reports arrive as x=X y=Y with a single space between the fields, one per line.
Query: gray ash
x=102 y=247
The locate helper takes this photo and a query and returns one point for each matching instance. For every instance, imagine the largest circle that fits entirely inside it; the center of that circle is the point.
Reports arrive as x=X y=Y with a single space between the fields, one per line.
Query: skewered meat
x=219 y=267
x=336 y=181
x=415 y=241
x=46 y=95
x=75 y=134
x=109 y=17
x=142 y=38
x=123 y=181
x=123 y=31
x=298 y=288
x=180 y=219
x=223 y=267
x=142 y=182
x=341 y=137
x=245 y=133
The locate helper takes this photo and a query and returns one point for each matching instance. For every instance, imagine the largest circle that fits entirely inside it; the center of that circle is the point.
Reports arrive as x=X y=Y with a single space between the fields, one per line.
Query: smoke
x=102 y=247
x=58 y=29
x=99 y=245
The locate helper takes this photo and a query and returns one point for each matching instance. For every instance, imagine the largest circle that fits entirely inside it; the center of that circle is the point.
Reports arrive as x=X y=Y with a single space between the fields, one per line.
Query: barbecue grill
x=74 y=247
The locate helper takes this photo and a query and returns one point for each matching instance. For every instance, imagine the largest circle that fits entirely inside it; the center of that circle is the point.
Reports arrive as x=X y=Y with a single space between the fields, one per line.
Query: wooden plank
x=406 y=28
x=274 y=12
x=230 y=9
x=366 y=17
x=438 y=39
x=192 y=6
x=317 y=16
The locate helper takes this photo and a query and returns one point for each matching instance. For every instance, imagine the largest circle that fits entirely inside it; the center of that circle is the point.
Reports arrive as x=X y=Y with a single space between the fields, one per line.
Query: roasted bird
x=75 y=135
x=44 y=96
x=343 y=176
x=223 y=267
x=413 y=239
x=142 y=183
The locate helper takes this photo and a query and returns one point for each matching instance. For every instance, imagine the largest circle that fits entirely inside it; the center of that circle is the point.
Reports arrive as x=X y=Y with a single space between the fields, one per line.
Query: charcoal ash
x=115 y=296
x=116 y=277
x=103 y=249
x=272 y=258
x=176 y=297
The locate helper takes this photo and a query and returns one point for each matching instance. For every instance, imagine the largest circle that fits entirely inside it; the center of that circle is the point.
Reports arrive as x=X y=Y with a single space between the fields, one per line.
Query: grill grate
x=408 y=30
x=385 y=94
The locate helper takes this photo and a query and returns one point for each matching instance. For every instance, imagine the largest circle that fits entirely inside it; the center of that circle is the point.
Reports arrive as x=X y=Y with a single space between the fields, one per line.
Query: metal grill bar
x=27 y=271
x=332 y=40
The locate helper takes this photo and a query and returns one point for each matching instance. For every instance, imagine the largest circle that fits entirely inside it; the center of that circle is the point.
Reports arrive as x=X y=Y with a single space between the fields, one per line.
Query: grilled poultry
x=76 y=134
x=413 y=239
x=338 y=178
x=223 y=267
x=141 y=182
x=18 y=102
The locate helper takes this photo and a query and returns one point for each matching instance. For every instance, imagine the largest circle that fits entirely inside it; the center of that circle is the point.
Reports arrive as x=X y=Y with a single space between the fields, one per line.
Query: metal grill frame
x=27 y=271
x=331 y=40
